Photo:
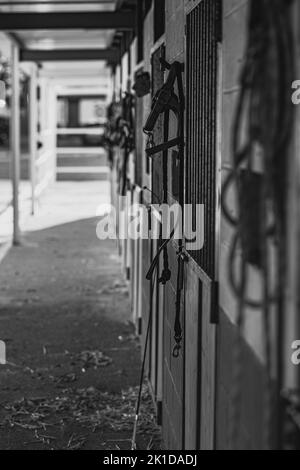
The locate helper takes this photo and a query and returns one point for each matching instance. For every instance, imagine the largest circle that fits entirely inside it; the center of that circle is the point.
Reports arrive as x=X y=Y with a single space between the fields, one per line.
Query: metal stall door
x=203 y=28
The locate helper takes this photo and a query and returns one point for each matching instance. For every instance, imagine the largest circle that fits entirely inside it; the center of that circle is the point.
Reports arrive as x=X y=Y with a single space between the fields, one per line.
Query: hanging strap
x=157 y=256
x=177 y=323
x=165 y=101
x=155 y=150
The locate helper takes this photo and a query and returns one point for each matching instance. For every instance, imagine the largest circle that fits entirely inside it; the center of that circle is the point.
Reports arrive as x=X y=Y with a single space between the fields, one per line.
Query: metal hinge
x=214 y=311
x=219 y=21
x=139 y=327
x=159 y=409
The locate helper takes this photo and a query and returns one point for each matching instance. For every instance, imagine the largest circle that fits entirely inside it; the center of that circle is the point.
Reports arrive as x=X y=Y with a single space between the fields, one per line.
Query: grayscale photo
x=149 y=228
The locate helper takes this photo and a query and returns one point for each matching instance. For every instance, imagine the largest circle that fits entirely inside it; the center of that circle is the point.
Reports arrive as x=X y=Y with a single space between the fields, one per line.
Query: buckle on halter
x=150 y=141
x=177 y=348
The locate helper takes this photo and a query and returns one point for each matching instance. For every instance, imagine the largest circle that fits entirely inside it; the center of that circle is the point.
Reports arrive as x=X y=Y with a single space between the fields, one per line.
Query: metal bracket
x=214 y=307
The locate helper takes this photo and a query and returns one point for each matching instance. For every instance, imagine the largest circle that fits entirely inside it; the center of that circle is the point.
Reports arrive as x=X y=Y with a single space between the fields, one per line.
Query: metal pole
x=33 y=133
x=15 y=142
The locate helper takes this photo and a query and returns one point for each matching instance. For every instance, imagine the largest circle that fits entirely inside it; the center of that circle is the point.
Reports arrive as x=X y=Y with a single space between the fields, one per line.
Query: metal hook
x=176 y=351
x=150 y=140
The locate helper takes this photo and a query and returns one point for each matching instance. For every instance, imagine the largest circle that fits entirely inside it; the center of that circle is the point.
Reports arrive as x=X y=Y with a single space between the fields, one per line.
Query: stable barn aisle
x=64 y=315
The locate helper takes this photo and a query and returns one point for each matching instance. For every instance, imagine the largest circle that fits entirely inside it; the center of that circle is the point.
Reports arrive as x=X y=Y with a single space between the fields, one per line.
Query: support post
x=33 y=133
x=15 y=142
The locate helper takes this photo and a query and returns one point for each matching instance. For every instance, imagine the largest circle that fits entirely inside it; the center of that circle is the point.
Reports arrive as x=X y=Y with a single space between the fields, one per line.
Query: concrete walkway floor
x=73 y=363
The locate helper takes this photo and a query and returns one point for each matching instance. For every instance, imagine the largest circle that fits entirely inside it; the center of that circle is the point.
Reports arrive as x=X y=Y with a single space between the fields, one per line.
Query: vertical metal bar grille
x=140 y=151
x=159 y=18
x=157 y=162
x=202 y=49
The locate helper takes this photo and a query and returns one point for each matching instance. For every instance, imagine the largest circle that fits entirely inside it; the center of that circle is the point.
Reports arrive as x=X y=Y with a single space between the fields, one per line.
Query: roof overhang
x=110 y=55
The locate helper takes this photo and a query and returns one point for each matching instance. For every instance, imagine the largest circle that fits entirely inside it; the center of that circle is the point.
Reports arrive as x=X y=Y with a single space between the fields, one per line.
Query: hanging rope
x=261 y=136
x=142 y=376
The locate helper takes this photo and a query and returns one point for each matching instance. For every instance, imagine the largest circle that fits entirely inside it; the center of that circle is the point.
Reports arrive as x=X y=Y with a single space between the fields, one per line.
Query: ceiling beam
x=111 y=55
x=122 y=20
x=87 y=90
x=49 y=2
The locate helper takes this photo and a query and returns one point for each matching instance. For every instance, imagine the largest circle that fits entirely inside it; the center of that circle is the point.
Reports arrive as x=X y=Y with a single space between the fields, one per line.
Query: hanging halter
x=164 y=102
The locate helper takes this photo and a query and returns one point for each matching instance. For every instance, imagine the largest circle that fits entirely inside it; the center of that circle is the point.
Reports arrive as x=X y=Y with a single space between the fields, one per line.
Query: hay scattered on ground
x=90 y=408
x=92 y=359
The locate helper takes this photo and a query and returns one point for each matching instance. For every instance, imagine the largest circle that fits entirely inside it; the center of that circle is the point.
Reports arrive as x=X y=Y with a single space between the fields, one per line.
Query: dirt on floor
x=73 y=362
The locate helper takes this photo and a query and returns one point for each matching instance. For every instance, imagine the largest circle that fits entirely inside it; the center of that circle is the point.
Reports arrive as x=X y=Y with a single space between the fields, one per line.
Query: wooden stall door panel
x=135 y=275
x=192 y=366
x=153 y=337
x=140 y=286
x=208 y=365
x=128 y=259
x=145 y=298
x=160 y=325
